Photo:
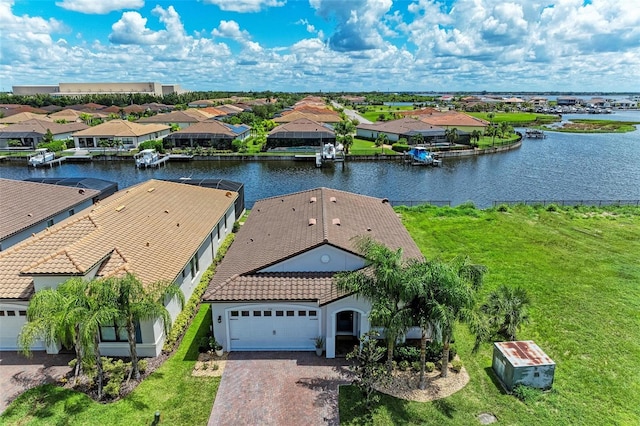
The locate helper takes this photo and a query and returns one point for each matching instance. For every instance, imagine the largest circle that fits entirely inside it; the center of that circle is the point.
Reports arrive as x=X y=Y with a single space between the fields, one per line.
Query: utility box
x=522 y=363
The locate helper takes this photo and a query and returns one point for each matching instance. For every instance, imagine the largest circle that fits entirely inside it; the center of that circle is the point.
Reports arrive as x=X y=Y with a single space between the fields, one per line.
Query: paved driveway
x=18 y=373
x=279 y=388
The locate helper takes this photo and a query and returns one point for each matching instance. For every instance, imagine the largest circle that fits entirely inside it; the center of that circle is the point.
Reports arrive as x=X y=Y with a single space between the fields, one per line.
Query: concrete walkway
x=19 y=373
x=279 y=388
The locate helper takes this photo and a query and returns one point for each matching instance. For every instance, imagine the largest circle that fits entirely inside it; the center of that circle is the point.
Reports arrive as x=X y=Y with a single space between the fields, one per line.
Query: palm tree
x=507 y=309
x=384 y=285
x=381 y=140
x=443 y=294
x=343 y=129
x=451 y=135
x=475 y=136
x=493 y=133
x=504 y=129
x=136 y=302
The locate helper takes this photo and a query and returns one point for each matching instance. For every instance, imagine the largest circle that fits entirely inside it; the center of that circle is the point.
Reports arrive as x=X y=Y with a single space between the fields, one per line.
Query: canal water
x=560 y=167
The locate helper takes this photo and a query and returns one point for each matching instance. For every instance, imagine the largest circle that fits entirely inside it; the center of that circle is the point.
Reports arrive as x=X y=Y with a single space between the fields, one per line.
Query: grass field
x=580 y=267
x=180 y=398
x=594 y=126
x=516 y=118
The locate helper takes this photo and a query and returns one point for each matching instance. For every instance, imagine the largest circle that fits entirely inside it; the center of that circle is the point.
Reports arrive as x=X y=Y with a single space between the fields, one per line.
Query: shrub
x=191 y=307
x=55 y=146
x=429 y=366
x=215 y=367
x=398 y=147
x=403 y=365
x=456 y=366
x=552 y=208
x=152 y=144
x=406 y=353
x=416 y=365
x=142 y=365
x=526 y=394
x=503 y=208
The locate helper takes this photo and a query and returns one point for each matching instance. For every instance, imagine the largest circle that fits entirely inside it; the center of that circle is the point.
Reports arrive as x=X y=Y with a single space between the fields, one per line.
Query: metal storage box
x=522 y=363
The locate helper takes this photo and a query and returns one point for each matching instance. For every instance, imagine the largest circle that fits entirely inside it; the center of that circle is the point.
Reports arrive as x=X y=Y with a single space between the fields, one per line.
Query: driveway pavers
x=19 y=373
x=279 y=388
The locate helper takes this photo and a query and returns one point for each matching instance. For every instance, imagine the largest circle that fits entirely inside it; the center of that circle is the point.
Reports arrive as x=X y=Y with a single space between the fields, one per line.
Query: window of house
x=50 y=222
x=312 y=313
x=1 y=313
x=72 y=212
x=302 y=313
x=257 y=313
x=22 y=313
x=245 y=313
x=11 y=313
x=290 y=313
x=234 y=313
x=267 y=313
x=117 y=332
x=279 y=313
x=218 y=231
x=225 y=222
x=194 y=264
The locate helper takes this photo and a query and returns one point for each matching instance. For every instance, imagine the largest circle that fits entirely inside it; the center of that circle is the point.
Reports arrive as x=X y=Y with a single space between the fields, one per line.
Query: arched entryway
x=347 y=331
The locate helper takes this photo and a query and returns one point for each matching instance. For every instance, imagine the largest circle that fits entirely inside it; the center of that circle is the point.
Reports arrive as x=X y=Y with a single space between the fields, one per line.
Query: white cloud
x=99 y=7
x=231 y=30
x=244 y=6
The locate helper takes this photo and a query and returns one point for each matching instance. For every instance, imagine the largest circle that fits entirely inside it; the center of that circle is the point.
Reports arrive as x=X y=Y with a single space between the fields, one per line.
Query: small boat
x=42 y=156
x=146 y=158
x=419 y=155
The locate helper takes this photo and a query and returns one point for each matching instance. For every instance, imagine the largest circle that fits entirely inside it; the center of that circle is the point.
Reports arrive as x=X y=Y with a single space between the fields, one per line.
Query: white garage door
x=273 y=327
x=12 y=318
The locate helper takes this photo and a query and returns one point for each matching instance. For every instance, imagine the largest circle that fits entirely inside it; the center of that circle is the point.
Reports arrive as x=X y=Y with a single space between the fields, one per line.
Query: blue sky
x=328 y=45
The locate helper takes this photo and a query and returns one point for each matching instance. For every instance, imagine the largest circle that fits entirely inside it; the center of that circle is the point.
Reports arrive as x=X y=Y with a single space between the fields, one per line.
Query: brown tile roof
x=213 y=112
x=296 y=115
x=40 y=126
x=210 y=127
x=417 y=112
x=66 y=114
x=27 y=203
x=121 y=128
x=144 y=229
x=174 y=117
x=278 y=228
x=23 y=116
x=301 y=125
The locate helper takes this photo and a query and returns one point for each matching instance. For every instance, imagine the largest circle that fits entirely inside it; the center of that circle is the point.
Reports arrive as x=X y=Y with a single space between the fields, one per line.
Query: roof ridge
x=325 y=224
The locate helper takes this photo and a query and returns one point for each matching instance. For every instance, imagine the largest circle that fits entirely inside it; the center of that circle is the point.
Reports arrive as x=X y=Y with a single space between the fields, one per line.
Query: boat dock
x=50 y=163
x=155 y=164
x=180 y=157
x=534 y=134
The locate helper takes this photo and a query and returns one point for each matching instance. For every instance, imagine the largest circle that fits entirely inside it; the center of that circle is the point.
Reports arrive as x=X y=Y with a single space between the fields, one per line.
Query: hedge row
x=191 y=307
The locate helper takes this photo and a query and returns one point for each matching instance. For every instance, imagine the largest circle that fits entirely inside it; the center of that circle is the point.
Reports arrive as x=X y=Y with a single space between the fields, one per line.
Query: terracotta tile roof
x=453 y=119
x=66 y=114
x=27 y=203
x=279 y=228
x=210 y=127
x=296 y=115
x=417 y=112
x=121 y=128
x=144 y=229
x=402 y=126
x=40 y=126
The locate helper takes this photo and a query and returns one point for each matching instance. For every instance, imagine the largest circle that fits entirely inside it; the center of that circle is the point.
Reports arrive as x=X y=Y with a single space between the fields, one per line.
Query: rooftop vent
x=29 y=214
x=228 y=194
x=333 y=200
x=312 y=221
x=312 y=200
x=81 y=191
x=151 y=189
x=385 y=201
x=336 y=221
x=120 y=208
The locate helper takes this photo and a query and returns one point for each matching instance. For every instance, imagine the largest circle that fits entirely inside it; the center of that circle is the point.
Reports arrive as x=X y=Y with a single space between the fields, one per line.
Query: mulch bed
x=404 y=385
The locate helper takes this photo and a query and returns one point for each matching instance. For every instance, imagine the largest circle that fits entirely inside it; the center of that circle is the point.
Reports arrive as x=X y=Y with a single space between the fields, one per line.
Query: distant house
x=569 y=100
x=275 y=289
x=129 y=133
x=300 y=133
x=37 y=206
x=210 y=133
x=453 y=119
x=402 y=128
x=160 y=231
x=23 y=116
x=183 y=119
x=32 y=132
x=201 y=103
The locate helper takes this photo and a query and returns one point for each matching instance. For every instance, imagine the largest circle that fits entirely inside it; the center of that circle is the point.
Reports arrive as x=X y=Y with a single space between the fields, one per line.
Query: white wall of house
x=325 y=258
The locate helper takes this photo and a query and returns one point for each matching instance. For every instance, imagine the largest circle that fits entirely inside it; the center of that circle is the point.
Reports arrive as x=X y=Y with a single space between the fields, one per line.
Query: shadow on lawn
x=203 y=331
x=495 y=380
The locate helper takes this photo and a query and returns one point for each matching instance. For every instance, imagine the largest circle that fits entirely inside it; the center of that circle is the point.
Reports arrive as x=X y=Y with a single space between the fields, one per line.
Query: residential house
x=23 y=116
x=275 y=289
x=129 y=133
x=452 y=119
x=569 y=101
x=402 y=128
x=32 y=132
x=160 y=231
x=320 y=117
x=183 y=119
x=210 y=133
x=302 y=132
x=29 y=207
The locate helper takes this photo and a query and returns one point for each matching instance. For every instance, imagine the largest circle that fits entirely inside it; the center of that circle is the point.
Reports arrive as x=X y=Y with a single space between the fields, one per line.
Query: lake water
x=560 y=167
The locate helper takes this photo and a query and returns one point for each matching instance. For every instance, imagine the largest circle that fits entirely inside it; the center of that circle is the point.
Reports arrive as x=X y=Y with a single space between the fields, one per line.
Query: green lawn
x=373 y=111
x=180 y=398
x=365 y=147
x=580 y=267
x=516 y=118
